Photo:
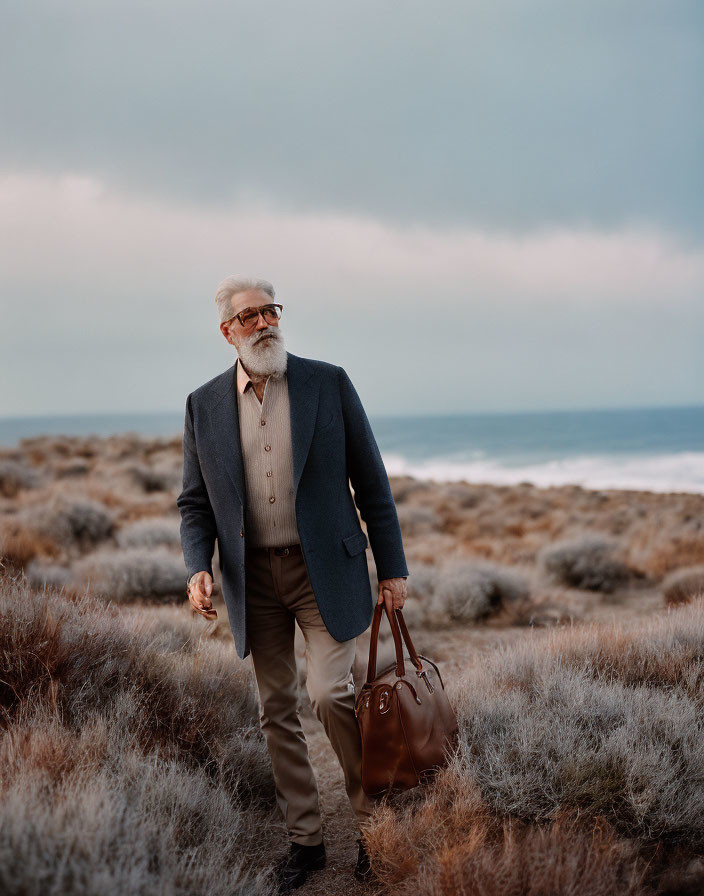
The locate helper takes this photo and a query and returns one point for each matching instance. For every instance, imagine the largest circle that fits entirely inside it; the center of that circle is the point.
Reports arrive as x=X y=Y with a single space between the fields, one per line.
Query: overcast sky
x=468 y=205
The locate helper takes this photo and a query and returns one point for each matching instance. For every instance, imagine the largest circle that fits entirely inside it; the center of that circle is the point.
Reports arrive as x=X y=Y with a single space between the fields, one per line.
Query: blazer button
x=267 y=447
x=242 y=532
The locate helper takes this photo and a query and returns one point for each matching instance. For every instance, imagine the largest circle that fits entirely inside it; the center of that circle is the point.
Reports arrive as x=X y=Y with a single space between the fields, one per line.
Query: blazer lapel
x=225 y=425
x=303 y=394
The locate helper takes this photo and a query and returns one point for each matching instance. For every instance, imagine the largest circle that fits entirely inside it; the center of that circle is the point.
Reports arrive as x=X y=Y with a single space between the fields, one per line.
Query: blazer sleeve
x=372 y=492
x=198 y=528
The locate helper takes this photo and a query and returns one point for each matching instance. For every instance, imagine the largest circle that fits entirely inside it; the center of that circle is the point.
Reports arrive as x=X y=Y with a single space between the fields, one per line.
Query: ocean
x=657 y=449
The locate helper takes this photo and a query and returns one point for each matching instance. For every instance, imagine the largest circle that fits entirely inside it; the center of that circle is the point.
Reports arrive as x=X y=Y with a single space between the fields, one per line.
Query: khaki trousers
x=279 y=594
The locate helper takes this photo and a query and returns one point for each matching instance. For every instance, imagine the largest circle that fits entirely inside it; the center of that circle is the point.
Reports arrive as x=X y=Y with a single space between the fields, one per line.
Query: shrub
x=132 y=573
x=462 y=494
x=80 y=659
x=597 y=719
x=172 y=627
x=111 y=821
x=416 y=520
x=72 y=468
x=468 y=591
x=599 y=724
x=452 y=843
x=20 y=544
x=51 y=575
x=15 y=476
x=72 y=520
x=151 y=532
x=127 y=766
x=585 y=562
x=156 y=478
x=403 y=486
x=421 y=583
x=682 y=585
x=420 y=588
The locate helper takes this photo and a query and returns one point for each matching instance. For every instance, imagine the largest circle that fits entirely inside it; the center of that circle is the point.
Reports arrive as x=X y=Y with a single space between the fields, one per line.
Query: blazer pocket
x=356 y=543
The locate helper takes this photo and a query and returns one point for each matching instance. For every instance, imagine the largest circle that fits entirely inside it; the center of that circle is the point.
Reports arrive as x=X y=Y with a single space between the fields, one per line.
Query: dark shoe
x=363 y=869
x=293 y=870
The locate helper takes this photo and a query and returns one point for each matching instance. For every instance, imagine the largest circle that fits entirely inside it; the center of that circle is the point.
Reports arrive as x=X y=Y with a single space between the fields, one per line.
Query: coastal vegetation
x=568 y=624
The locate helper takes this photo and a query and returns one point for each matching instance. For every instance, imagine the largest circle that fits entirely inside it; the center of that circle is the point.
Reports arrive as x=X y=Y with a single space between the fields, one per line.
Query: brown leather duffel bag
x=407 y=725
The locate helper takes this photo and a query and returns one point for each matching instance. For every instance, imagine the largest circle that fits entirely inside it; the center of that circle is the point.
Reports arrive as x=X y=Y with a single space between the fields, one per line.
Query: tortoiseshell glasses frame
x=248 y=317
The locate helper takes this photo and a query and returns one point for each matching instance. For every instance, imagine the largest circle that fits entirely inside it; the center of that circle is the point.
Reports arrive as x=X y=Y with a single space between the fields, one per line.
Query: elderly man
x=270 y=448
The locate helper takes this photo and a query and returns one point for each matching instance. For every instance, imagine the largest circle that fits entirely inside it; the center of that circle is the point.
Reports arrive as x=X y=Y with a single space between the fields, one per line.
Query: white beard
x=265 y=358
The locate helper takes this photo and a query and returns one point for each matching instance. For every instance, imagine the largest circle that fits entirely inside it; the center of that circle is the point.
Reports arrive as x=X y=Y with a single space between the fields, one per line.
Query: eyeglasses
x=249 y=317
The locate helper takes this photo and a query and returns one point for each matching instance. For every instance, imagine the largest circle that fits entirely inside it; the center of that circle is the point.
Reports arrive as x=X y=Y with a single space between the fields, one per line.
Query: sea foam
x=674 y=472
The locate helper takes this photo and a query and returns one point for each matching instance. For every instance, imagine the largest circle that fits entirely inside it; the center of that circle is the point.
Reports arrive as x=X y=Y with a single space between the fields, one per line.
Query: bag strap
x=395 y=620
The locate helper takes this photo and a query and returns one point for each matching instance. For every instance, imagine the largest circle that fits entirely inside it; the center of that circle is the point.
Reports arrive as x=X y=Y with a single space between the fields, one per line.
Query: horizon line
x=473 y=413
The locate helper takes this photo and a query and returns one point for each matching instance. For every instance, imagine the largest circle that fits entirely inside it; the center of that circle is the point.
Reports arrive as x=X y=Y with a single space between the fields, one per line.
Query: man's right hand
x=199 y=590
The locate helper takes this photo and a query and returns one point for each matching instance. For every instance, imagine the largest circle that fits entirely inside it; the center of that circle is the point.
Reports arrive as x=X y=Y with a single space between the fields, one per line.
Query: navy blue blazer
x=333 y=446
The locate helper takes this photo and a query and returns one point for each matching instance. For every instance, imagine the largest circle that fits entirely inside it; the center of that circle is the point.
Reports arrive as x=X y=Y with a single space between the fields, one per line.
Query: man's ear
x=224 y=329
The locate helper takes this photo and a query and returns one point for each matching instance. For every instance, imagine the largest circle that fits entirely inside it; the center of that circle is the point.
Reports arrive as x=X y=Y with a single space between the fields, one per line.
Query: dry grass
x=15 y=476
x=581 y=754
x=85 y=813
x=671 y=551
x=451 y=844
x=71 y=520
x=121 y=491
x=151 y=532
x=19 y=544
x=682 y=585
x=132 y=761
x=134 y=573
x=586 y=562
x=156 y=478
x=129 y=742
x=472 y=590
x=80 y=658
x=462 y=590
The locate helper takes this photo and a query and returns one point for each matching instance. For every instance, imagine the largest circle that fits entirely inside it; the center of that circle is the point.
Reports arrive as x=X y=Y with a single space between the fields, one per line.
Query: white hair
x=230 y=286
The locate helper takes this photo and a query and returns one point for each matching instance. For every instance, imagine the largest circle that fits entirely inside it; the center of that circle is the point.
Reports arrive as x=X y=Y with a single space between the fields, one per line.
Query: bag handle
x=395 y=620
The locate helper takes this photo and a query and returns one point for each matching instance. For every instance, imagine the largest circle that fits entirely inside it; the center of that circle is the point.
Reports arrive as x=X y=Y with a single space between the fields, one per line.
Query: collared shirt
x=265 y=437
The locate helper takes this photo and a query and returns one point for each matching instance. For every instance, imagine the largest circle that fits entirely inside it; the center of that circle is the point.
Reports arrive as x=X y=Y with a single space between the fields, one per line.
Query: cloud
x=505 y=116
x=109 y=304
x=75 y=229
x=479 y=205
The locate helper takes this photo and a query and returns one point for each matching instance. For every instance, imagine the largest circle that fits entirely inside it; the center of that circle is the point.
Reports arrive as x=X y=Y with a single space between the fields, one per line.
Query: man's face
x=233 y=330
x=260 y=347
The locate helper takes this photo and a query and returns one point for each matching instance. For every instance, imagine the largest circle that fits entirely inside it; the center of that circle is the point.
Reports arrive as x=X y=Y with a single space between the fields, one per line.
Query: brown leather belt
x=280 y=551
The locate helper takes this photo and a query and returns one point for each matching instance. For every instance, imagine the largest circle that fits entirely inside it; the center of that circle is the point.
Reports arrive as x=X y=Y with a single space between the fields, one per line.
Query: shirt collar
x=242 y=378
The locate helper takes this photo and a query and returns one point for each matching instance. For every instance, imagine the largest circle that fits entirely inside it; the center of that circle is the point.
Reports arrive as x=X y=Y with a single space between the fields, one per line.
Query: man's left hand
x=393 y=592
